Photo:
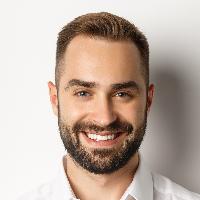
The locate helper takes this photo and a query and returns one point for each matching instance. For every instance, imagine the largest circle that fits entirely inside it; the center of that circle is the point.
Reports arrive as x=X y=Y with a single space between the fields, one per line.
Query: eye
x=82 y=94
x=123 y=94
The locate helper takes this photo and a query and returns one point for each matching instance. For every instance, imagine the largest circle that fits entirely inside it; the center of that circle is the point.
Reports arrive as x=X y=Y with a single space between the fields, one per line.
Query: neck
x=89 y=186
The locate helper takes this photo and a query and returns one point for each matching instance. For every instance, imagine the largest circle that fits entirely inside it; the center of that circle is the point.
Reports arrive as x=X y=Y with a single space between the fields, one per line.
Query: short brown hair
x=103 y=25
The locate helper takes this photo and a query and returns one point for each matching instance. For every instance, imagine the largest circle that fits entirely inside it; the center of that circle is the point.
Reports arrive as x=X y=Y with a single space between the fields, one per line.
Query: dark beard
x=101 y=161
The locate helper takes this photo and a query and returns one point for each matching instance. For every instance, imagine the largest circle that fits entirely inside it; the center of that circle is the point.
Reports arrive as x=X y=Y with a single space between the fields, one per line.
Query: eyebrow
x=77 y=82
x=88 y=84
x=124 y=85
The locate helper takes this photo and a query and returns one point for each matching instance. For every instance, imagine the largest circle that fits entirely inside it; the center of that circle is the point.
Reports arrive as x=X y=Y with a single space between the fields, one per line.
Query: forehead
x=102 y=61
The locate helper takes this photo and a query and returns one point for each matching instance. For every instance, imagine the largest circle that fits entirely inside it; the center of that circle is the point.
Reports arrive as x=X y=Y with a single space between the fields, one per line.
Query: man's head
x=102 y=93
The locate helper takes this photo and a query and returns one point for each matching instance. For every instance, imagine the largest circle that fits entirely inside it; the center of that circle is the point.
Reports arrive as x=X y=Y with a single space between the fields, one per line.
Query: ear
x=53 y=97
x=150 y=97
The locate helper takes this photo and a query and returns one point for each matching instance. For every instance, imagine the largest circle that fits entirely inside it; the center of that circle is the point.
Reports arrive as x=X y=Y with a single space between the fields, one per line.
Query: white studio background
x=30 y=146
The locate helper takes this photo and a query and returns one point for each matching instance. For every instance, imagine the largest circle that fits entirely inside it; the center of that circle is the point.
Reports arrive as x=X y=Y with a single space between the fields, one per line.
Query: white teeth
x=100 y=137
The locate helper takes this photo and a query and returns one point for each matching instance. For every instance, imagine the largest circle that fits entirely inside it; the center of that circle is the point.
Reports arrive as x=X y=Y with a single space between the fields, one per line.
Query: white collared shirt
x=145 y=186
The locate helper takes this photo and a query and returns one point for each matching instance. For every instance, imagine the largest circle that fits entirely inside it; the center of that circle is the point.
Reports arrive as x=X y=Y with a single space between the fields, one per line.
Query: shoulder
x=164 y=188
x=43 y=192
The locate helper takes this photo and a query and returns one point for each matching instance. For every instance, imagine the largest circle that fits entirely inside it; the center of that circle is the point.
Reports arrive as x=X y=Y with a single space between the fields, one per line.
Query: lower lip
x=102 y=143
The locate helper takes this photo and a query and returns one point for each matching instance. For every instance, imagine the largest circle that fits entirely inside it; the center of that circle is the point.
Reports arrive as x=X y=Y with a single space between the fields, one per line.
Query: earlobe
x=53 y=97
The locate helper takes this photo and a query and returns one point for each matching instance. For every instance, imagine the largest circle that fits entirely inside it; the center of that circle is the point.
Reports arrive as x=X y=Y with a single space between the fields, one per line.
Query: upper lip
x=101 y=133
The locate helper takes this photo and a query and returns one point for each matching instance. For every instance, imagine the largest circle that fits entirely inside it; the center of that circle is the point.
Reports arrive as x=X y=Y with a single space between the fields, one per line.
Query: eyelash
x=125 y=94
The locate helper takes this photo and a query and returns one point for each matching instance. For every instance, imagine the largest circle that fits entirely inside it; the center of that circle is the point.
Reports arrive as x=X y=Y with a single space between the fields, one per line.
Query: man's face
x=101 y=103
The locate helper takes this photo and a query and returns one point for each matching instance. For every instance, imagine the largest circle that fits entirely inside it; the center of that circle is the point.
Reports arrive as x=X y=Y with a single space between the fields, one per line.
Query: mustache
x=116 y=126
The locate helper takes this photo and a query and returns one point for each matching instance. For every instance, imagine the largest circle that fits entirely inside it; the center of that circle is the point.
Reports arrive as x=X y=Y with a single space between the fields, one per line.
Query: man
x=102 y=97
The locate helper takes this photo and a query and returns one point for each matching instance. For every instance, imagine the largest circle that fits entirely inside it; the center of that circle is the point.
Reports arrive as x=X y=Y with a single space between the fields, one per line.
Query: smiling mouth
x=103 y=136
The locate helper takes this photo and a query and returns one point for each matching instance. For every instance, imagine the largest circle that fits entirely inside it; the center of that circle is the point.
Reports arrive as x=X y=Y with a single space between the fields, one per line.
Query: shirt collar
x=141 y=187
x=63 y=190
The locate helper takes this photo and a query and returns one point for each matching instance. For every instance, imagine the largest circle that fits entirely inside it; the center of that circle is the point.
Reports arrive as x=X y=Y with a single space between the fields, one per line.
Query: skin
x=105 y=63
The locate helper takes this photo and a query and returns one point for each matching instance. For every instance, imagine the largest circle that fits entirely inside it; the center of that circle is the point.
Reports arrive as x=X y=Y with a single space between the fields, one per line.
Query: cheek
x=134 y=112
x=70 y=111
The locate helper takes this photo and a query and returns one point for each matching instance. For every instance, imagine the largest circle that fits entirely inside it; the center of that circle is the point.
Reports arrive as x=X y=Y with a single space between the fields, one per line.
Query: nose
x=103 y=113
